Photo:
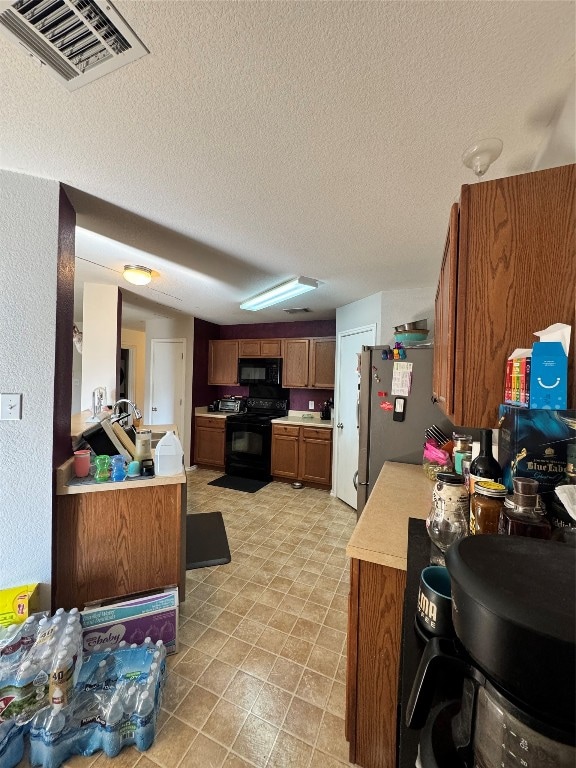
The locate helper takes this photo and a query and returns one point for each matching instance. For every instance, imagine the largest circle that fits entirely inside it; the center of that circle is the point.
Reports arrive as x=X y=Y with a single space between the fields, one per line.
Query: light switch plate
x=10 y=406
x=311 y=404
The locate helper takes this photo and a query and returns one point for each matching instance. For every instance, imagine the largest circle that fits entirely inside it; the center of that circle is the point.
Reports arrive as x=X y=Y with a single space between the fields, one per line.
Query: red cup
x=81 y=463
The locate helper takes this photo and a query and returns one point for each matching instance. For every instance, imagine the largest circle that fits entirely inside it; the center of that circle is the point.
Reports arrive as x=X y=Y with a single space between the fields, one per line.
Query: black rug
x=206 y=541
x=246 y=484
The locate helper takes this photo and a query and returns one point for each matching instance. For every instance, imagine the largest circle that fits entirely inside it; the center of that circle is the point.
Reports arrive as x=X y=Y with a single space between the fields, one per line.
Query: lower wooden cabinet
x=119 y=542
x=302 y=453
x=373 y=662
x=209 y=441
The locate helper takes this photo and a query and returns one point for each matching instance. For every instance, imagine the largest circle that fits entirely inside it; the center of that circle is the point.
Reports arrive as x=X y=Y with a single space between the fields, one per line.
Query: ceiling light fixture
x=480 y=156
x=280 y=293
x=136 y=274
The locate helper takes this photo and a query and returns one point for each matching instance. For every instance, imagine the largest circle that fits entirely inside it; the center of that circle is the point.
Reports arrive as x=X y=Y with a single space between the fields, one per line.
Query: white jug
x=168 y=455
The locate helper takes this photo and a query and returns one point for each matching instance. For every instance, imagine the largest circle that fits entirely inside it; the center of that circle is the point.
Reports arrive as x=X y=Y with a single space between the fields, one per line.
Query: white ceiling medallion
x=480 y=156
x=77 y=40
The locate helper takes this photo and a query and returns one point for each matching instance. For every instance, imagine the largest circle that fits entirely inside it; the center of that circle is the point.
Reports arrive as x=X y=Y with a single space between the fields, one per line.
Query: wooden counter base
x=120 y=542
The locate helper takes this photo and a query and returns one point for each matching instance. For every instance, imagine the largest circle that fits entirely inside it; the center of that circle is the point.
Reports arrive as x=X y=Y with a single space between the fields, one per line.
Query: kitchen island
x=115 y=539
x=377 y=552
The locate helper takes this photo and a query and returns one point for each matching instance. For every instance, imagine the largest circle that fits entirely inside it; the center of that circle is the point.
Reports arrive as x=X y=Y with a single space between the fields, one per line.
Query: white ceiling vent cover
x=78 y=40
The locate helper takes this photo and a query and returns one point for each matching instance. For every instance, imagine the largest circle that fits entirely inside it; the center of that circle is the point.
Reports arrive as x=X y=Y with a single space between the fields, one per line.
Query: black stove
x=261 y=409
x=249 y=437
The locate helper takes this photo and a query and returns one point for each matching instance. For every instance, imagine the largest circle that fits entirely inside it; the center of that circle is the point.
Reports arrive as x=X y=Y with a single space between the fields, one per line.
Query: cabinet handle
x=434 y=399
x=154 y=409
x=340 y=425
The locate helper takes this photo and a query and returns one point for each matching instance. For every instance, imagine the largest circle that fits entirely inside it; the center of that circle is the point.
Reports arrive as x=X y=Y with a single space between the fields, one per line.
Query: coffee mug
x=434 y=608
x=81 y=463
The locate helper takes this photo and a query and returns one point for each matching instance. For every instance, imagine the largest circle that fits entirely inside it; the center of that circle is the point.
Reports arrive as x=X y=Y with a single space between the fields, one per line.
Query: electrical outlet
x=10 y=407
x=311 y=405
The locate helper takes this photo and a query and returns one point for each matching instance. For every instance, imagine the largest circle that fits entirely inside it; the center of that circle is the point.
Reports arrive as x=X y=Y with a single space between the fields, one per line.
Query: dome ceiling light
x=136 y=274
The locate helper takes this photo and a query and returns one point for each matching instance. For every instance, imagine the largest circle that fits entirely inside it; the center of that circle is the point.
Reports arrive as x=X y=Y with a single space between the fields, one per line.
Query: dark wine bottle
x=485 y=466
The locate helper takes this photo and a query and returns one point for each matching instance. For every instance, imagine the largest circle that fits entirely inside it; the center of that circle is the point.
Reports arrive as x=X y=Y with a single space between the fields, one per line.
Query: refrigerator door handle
x=358 y=412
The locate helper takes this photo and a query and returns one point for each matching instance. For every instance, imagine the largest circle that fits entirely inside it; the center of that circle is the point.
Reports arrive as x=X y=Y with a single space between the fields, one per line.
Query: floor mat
x=246 y=484
x=206 y=540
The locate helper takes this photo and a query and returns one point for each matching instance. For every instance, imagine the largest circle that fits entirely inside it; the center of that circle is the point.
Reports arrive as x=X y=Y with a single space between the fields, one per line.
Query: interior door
x=346 y=413
x=167 y=382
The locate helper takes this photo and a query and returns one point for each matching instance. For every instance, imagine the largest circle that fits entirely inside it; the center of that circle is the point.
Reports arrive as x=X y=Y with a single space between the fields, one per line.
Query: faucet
x=137 y=413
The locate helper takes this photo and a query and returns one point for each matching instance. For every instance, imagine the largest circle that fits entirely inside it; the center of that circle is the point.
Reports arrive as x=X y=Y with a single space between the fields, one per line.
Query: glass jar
x=448 y=518
x=486 y=503
x=462 y=450
x=524 y=521
x=143 y=444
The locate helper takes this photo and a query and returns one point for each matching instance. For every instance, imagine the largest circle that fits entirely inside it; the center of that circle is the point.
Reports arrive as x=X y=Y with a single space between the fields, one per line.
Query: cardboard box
x=153 y=615
x=549 y=376
x=533 y=443
x=17 y=603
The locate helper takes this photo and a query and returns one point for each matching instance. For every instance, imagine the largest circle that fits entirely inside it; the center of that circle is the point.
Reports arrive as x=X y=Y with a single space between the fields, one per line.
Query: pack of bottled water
x=40 y=661
x=113 y=704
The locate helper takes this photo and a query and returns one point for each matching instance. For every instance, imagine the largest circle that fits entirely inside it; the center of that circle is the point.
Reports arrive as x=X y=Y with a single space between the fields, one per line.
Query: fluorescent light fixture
x=280 y=293
x=137 y=275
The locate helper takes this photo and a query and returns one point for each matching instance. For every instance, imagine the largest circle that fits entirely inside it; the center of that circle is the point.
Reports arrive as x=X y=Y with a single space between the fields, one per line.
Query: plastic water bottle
x=130 y=697
x=111 y=736
x=52 y=730
x=145 y=726
x=28 y=633
x=168 y=455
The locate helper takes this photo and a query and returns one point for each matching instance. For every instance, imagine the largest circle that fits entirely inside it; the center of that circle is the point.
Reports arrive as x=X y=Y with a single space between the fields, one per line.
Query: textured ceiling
x=264 y=140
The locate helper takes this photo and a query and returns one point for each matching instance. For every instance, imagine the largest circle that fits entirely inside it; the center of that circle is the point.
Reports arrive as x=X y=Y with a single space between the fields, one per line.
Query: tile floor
x=259 y=681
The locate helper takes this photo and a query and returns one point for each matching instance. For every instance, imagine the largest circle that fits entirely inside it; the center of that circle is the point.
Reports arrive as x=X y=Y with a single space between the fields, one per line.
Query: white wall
x=405 y=306
x=177 y=328
x=99 y=341
x=366 y=311
x=28 y=248
x=76 y=377
x=559 y=147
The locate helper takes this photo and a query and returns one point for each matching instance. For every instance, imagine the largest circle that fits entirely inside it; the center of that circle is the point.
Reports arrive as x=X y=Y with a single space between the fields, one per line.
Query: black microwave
x=260 y=370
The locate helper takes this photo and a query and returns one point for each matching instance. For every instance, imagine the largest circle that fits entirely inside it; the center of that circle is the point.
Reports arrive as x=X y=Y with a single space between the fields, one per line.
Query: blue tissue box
x=548 y=376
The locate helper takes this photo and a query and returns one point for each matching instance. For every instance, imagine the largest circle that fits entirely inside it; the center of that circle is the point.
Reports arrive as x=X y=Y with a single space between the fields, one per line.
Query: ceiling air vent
x=297 y=310
x=78 y=40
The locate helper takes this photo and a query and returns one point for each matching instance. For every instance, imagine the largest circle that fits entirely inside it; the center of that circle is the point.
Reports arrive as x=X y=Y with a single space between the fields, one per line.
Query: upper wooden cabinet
x=309 y=363
x=509 y=269
x=260 y=348
x=223 y=362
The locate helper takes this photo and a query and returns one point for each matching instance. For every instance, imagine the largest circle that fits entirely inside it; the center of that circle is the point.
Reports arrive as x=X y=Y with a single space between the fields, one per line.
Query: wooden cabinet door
x=285 y=451
x=223 y=362
x=295 y=366
x=515 y=274
x=445 y=319
x=271 y=347
x=322 y=363
x=316 y=455
x=260 y=348
x=209 y=442
x=248 y=348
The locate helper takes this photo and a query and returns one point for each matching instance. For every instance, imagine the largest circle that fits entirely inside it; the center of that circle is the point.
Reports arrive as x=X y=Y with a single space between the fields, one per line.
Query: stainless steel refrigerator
x=392 y=425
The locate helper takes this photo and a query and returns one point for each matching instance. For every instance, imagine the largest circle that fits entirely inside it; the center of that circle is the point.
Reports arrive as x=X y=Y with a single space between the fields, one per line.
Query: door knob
x=340 y=425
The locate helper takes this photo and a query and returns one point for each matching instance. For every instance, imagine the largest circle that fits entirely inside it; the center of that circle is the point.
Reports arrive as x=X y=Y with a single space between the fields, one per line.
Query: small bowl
x=410 y=336
x=434 y=607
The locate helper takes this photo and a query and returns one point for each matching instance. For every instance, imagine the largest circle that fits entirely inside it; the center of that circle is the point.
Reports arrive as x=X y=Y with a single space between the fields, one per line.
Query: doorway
x=346 y=417
x=167 y=377
x=127 y=388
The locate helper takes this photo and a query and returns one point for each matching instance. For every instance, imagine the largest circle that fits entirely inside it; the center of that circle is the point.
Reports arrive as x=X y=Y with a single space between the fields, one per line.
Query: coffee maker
x=514 y=615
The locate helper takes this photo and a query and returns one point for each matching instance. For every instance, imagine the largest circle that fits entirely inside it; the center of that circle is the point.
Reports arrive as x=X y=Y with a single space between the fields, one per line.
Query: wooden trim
x=352 y=658
x=457 y=317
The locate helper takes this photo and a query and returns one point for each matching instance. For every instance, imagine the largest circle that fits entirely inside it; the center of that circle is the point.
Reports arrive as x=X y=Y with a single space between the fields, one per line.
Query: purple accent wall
x=61 y=446
x=299 y=398
x=295 y=330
